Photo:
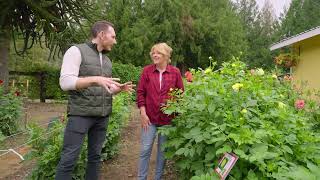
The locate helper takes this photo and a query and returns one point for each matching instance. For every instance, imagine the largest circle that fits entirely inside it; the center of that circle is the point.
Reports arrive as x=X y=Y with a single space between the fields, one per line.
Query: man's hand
x=107 y=83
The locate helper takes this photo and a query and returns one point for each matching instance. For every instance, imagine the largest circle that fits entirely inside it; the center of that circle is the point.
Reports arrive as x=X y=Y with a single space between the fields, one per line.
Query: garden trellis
x=15 y=149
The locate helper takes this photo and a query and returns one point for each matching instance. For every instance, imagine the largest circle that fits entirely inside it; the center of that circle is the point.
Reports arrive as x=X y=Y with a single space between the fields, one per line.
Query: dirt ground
x=124 y=166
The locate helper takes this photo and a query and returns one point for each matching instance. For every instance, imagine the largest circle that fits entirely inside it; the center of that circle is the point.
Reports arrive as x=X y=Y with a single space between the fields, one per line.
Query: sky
x=278 y=5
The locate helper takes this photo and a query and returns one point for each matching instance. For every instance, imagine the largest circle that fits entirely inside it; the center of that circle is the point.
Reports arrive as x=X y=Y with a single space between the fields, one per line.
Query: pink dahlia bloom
x=299 y=104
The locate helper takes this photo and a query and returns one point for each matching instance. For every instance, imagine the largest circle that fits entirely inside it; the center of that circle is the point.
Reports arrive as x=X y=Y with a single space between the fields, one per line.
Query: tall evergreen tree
x=301 y=16
x=248 y=12
x=260 y=26
x=195 y=30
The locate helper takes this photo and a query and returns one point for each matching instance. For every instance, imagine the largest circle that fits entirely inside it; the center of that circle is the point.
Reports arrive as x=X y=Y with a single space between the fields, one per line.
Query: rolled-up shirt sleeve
x=141 y=91
x=70 y=69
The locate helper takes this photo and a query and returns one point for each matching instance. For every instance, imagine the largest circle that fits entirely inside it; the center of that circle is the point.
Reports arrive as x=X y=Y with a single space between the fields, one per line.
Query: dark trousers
x=74 y=135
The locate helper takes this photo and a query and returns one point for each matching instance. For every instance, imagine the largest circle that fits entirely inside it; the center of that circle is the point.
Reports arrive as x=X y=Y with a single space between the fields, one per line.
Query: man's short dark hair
x=100 y=26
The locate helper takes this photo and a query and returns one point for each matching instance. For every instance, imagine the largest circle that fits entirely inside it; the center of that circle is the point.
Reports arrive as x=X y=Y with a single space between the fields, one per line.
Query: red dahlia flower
x=189 y=76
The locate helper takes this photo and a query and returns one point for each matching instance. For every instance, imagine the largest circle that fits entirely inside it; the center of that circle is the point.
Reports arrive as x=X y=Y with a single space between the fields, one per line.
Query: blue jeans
x=147 y=139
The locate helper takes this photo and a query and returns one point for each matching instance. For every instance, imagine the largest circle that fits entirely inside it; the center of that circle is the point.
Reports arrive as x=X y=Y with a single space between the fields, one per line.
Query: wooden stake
x=27 y=87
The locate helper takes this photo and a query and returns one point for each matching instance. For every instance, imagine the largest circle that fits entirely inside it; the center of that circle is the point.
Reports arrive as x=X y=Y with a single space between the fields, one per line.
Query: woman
x=152 y=93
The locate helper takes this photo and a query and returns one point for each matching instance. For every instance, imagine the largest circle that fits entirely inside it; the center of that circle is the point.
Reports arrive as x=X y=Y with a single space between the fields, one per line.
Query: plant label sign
x=225 y=165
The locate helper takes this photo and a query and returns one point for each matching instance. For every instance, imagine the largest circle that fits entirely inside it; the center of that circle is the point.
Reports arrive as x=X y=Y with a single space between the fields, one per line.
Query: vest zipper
x=103 y=90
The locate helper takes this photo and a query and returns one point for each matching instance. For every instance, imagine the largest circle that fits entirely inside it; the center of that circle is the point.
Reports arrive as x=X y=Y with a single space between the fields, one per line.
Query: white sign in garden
x=225 y=165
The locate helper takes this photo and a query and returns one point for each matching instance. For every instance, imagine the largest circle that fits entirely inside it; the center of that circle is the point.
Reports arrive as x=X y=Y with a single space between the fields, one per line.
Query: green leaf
x=183 y=164
x=212 y=108
x=195 y=131
x=198 y=138
x=180 y=151
x=287 y=149
x=315 y=170
x=240 y=153
x=225 y=148
x=252 y=175
x=301 y=173
x=210 y=156
x=251 y=103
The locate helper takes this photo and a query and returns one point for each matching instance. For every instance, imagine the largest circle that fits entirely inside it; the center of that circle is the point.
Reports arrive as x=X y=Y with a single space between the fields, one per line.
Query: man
x=86 y=75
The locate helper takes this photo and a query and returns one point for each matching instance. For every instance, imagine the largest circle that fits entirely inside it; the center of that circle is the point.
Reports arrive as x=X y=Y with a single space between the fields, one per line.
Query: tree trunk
x=4 y=56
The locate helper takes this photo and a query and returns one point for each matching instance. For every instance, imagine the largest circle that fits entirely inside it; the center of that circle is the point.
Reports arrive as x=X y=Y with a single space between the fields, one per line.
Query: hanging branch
x=52 y=19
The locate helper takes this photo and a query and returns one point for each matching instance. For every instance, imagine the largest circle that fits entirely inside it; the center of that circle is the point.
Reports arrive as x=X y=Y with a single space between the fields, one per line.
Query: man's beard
x=106 y=49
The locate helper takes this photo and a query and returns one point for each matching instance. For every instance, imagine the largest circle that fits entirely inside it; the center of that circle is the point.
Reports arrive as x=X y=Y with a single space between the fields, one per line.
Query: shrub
x=126 y=72
x=249 y=113
x=118 y=118
x=10 y=111
x=52 y=87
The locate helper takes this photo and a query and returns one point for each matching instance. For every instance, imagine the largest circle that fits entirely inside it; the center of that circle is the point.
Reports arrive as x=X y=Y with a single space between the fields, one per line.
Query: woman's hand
x=145 y=121
x=127 y=87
